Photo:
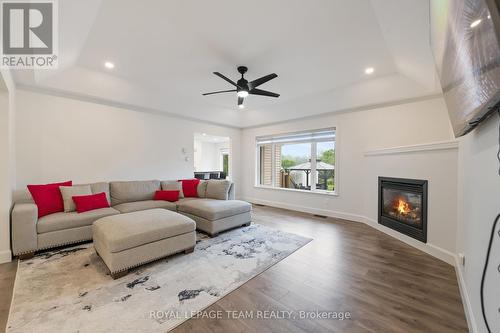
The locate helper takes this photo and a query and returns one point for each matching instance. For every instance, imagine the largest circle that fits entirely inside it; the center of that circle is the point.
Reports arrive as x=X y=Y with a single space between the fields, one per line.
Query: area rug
x=69 y=290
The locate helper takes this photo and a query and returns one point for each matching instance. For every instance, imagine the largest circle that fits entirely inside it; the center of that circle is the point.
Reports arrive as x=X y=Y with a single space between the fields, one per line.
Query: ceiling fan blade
x=262 y=80
x=263 y=93
x=240 y=101
x=226 y=79
x=219 y=92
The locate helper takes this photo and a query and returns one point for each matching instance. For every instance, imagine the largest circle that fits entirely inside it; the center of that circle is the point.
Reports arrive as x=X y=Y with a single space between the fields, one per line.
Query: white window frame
x=259 y=141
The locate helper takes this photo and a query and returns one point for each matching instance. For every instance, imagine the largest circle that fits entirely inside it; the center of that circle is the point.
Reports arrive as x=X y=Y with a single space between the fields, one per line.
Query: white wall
x=208 y=156
x=7 y=113
x=60 y=139
x=357 y=132
x=479 y=198
x=198 y=155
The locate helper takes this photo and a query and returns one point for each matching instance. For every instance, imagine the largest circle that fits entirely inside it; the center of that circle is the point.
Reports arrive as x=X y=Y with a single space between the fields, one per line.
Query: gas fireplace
x=402 y=206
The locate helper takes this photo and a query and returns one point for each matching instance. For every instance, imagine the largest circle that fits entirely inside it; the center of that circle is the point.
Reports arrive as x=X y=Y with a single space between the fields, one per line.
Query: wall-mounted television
x=466 y=46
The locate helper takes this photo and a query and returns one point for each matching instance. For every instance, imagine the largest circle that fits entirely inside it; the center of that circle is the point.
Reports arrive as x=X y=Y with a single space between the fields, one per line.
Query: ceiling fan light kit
x=245 y=88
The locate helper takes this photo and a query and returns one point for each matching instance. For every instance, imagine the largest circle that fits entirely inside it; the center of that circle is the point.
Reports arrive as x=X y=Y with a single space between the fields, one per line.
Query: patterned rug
x=68 y=290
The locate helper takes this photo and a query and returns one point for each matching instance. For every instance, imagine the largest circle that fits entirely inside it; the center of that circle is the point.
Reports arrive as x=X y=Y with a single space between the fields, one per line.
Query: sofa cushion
x=99 y=188
x=62 y=221
x=85 y=203
x=171 y=196
x=172 y=185
x=68 y=192
x=212 y=209
x=144 y=205
x=181 y=200
x=190 y=187
x=48 y=198
x=131 y=191
x=125 y=231
x=218 y=189
x=202 y=189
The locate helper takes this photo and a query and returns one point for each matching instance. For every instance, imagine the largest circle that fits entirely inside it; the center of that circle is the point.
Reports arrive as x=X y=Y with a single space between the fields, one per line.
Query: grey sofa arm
x=231 y=194
x=24 y=236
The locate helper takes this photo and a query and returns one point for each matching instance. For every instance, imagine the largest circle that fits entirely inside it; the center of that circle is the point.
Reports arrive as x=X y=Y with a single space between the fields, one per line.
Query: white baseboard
x=305 y=209
x=5 y=256
x=469 y=315
x=428 y=248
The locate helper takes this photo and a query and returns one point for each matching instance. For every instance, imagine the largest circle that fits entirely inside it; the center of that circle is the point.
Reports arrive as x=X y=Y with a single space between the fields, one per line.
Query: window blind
x=309 y=136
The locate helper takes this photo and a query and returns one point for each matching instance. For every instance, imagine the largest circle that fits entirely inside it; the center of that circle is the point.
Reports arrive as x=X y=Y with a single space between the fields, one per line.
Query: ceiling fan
x=244 y=88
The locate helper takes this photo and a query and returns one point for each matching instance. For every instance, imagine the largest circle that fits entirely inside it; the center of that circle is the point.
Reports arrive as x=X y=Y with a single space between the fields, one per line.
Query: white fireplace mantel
x=441 y=145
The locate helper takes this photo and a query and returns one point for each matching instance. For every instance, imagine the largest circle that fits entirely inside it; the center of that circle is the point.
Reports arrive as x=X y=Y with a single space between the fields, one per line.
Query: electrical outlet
x=461 y=259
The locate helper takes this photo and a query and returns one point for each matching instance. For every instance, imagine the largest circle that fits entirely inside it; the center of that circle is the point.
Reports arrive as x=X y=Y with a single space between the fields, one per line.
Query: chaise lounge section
x=214 y=216
x=214 y=211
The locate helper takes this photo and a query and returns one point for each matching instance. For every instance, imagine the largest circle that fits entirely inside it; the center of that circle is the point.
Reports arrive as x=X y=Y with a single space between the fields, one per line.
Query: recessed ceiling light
x=109 y=65
x=369 y=70
x=204 y=134
x=241 y=106
x=475 y=23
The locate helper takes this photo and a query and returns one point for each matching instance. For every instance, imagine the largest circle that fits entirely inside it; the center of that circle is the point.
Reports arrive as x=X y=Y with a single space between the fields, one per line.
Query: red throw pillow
x=167 y=195
x=48 y=197
x=190 y=187
x=84 y=203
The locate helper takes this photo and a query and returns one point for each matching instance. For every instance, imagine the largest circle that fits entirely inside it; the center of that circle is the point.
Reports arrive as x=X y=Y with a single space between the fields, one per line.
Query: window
x=225 y=163
x=285 y=161
x=295 y=165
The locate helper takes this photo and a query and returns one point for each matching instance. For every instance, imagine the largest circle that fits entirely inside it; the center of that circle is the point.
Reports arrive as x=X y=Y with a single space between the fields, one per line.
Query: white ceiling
x=165 y=52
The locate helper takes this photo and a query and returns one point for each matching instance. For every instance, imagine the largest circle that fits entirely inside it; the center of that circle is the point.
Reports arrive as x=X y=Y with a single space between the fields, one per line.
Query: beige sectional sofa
x=214 y=211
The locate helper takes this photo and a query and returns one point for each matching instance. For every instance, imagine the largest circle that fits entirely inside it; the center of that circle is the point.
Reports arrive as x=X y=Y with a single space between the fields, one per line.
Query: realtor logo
x=29 y=34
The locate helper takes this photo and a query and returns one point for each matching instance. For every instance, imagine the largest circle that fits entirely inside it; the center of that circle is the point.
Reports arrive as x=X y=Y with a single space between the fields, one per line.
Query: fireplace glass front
x=403 y=206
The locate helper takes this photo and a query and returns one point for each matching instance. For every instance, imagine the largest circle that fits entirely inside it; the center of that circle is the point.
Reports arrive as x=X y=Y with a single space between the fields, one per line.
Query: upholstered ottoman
x=132 y=239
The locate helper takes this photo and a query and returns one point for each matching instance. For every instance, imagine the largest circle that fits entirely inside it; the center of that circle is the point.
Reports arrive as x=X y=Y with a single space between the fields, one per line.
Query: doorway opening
x=212 y=156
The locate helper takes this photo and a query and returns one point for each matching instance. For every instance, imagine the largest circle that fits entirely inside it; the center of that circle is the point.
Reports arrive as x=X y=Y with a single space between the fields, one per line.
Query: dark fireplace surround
x=402 y=206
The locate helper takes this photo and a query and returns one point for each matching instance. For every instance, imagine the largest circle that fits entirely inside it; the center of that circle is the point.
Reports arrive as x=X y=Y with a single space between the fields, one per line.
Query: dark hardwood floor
x=386 y=285
x=7 y=277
